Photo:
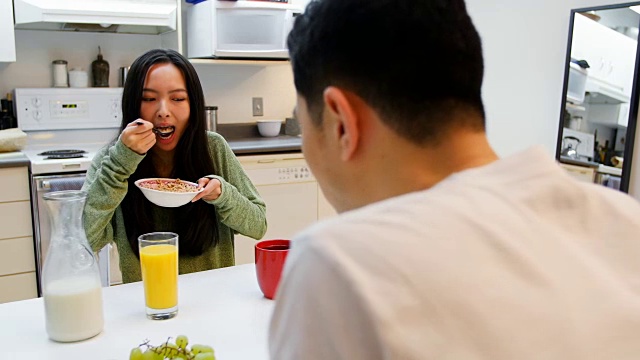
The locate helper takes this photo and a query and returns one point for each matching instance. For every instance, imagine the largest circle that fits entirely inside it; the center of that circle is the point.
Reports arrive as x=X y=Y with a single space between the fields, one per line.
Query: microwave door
x=270 y=54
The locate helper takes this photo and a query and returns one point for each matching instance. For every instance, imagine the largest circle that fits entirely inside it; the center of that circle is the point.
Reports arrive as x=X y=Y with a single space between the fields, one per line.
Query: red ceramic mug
x=270 y=257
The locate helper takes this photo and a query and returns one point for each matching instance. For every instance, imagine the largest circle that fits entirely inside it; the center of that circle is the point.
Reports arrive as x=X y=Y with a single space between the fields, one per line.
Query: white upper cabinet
x=8 y=42
x=301 y=3
x=610 y=54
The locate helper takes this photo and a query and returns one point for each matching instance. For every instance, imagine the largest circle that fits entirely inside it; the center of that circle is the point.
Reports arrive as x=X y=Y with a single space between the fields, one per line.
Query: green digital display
x=69 y=106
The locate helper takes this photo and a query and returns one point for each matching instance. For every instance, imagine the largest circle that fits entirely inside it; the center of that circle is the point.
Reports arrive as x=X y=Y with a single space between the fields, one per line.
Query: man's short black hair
x=418 y=63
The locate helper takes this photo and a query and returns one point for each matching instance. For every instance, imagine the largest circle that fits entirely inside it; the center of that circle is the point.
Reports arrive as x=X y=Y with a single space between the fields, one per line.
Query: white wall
x=230 y=87
x=525 y=45
x=35 y=50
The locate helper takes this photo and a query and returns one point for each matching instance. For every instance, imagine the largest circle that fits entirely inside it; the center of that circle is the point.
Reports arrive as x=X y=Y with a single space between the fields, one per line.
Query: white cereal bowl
x=269 y=128
x=154 y=189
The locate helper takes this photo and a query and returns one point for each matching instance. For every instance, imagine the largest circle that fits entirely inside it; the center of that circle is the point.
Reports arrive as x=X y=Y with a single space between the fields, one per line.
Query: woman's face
x=165 y=103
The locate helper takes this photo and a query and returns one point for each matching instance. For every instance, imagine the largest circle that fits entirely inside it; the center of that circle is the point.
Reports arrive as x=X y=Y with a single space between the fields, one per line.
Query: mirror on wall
x=600 y=105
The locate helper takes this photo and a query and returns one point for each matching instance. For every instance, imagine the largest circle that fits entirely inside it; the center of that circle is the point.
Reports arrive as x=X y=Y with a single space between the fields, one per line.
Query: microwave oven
x=239 y=29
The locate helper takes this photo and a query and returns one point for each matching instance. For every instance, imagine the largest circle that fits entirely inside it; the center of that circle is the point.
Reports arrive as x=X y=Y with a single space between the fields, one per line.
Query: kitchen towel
x=66 y=183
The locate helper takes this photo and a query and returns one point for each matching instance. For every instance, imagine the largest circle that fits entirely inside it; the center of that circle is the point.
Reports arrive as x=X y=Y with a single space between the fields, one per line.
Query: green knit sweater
x=239 y=208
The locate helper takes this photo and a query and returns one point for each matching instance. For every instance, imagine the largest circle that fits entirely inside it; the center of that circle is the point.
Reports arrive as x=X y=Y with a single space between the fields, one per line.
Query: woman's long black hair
x=195 y=223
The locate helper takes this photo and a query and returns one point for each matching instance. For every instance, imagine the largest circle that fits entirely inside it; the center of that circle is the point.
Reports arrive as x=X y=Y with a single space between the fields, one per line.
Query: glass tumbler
x=159 y=265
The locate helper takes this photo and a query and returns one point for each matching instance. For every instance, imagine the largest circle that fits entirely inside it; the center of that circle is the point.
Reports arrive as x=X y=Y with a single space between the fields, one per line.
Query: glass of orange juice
x=159 y=264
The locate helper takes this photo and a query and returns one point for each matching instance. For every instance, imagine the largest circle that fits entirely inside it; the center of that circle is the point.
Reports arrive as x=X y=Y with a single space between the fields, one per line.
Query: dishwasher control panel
x=280 y=175
x=295 y=173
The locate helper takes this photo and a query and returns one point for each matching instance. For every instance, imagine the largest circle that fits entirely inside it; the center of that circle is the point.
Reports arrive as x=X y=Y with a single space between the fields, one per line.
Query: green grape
x=136 y=354
x=196 y=349
x=205 y=356
x=182 y=341
x=206 y=349
x=170 y=350
x=149 y=355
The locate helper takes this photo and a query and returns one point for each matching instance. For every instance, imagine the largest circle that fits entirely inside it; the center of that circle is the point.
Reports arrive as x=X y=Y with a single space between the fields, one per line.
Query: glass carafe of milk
x=70 y=277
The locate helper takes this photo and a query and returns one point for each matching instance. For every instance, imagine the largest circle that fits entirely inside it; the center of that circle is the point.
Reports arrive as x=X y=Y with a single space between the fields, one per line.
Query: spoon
x=155 y=131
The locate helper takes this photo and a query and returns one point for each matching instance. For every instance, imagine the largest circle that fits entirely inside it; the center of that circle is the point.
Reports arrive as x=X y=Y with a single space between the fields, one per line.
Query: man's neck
x=399 y=167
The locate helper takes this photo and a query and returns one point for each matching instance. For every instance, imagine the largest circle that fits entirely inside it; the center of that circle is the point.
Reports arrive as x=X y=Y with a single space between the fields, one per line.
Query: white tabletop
x=223 y=308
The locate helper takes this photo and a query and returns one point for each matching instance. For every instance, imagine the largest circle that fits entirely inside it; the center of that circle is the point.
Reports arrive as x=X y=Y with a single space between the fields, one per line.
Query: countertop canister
x=60 y=73
x=122 y=75
x=211 y=113
x=78 y=78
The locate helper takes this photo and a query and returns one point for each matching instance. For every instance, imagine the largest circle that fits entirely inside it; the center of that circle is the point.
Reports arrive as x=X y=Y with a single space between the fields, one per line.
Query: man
x=441 y=249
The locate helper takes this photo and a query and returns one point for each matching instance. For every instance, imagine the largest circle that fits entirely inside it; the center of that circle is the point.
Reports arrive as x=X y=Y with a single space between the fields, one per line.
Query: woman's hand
x=138 y=136
x=212 y=189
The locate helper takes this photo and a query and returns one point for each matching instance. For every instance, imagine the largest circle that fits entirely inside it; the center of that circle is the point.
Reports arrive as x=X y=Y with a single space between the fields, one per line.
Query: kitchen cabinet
x=609 y=115
x=17 y=263
x=291 y=193
x=610 y=54
x=7 y=36
x=582 y=173
x=302 y=3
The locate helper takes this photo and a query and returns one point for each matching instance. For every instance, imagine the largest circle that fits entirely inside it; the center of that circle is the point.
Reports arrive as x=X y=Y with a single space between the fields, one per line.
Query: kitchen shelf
x=238 y=62
x=574 y=107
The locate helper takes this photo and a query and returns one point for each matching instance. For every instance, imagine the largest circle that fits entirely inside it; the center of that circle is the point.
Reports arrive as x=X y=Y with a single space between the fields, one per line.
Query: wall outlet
x=257 y=106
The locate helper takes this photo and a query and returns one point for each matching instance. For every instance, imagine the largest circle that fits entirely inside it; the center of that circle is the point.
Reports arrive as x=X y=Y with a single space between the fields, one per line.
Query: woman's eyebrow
x=171 y=91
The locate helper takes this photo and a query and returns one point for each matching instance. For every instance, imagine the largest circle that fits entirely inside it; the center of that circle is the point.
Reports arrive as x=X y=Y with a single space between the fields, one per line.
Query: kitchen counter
x=579 y=162
x=244 y=139
x=13 y=159
x=257 y=145
x=609 y=170
x=223 y=308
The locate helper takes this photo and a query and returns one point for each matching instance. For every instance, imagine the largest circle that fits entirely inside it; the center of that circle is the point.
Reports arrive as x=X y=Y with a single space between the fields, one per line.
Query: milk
x=73 y=308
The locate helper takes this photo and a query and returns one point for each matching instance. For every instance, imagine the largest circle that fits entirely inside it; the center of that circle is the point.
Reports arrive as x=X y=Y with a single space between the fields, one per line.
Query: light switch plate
x=257 y=106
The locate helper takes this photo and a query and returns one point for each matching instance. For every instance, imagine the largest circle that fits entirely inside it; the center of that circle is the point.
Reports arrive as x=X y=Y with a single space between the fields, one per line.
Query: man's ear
x=342 y=117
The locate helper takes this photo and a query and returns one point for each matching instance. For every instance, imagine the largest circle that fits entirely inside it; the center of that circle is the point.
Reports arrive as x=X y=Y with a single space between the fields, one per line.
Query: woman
x=163 y=135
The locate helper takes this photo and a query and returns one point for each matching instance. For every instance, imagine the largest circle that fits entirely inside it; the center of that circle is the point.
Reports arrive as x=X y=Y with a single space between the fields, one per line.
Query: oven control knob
x=37 y=115
x=36 y=102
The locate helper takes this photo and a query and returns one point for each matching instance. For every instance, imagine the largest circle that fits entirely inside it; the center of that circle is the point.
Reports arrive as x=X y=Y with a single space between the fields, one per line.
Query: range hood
x=121 y=16
x=600 y=92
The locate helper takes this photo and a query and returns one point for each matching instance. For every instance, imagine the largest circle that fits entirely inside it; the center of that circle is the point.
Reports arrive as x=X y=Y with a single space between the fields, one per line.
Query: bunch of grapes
x=172 y=351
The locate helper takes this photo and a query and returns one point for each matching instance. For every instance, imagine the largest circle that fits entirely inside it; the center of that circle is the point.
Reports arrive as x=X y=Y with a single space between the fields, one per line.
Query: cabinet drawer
x=15 y=220
x=18 y=287
x=581 y=173
x=15 y=184
x=16 y=256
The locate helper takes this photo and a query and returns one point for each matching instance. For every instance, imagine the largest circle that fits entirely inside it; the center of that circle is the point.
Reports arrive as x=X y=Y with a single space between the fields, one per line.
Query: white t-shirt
x=512 y=260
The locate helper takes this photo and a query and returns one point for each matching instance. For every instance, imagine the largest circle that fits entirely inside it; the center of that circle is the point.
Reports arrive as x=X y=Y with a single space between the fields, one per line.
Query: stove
x=64 y=156
x=65 y=128
x=62 y=119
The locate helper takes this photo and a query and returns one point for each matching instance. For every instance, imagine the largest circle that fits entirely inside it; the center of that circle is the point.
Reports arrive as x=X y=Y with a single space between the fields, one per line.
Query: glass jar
x=71 y=285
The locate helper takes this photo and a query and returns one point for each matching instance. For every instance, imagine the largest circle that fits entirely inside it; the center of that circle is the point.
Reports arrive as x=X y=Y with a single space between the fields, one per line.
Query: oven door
x=41 y=185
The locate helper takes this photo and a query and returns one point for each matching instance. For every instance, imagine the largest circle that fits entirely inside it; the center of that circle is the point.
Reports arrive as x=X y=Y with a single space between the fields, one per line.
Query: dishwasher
x=290 y=192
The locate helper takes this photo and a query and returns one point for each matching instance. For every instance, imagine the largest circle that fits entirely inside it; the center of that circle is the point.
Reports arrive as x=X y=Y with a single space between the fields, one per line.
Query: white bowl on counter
x=269 y=128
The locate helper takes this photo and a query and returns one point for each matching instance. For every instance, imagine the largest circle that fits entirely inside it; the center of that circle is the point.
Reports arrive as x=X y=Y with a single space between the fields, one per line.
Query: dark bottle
x=100 y=71
x=8 y=104
x=5 y=120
